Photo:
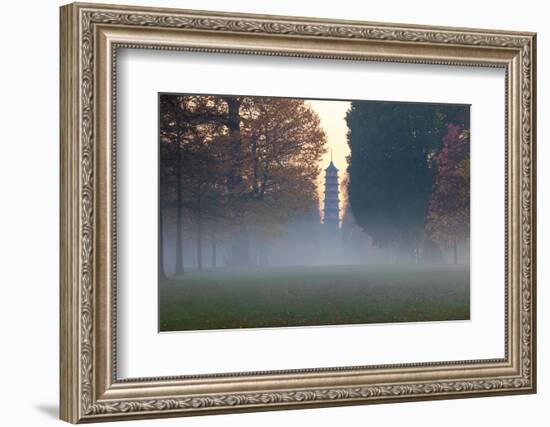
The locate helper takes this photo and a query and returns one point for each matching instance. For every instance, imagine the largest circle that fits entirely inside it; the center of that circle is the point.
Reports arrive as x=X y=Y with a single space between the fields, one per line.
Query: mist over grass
x=320 y=295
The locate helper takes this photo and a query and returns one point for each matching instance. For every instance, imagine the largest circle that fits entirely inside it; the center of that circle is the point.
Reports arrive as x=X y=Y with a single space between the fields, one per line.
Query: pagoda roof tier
x=331 y=167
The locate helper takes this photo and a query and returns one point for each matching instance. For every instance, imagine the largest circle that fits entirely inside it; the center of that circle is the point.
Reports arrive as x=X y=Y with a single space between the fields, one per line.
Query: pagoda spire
x=331 y=212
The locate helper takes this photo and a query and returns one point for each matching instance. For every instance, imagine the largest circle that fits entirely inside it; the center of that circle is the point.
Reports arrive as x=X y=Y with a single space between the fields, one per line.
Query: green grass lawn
x=304 y=296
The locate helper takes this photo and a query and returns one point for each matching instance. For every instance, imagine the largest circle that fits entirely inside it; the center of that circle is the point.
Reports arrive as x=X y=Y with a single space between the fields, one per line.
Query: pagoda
x=331 y=212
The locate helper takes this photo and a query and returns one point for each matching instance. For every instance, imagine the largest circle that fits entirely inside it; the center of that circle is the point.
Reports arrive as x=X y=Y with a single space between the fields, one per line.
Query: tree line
x=234 y=163
x=409 y=185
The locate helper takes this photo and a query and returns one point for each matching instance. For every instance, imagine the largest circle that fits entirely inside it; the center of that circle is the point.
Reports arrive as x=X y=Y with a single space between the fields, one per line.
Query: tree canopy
x=449 y=206
x=391 y=169
x=243 y=161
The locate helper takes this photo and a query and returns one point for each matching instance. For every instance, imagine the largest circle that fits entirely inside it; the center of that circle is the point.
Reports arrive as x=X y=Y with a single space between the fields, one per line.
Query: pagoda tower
x=331 y=212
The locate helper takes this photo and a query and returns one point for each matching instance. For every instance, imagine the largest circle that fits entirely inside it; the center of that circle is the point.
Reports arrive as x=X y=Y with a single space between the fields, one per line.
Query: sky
x=333 y=121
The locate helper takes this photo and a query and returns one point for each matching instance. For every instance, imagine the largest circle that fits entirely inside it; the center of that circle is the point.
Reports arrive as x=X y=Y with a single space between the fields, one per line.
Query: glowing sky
x=333 y=121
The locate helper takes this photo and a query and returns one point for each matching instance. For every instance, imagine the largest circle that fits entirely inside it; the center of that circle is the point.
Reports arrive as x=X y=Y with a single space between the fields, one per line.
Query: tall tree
x=182 y=118
x=449 y=205
x=283 y=142
x=390 y=173
x=171 y=130
x=205 y=194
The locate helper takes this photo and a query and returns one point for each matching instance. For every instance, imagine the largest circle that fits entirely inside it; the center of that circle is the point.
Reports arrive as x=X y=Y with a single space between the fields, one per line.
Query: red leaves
x=449 y=205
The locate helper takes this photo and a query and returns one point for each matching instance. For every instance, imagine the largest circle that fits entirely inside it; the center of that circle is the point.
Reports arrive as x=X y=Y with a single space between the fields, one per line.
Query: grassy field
x=304 y=296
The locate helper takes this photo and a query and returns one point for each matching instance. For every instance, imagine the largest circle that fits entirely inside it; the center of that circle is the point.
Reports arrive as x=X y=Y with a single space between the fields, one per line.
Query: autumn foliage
x=449 y=205
x=236 y=162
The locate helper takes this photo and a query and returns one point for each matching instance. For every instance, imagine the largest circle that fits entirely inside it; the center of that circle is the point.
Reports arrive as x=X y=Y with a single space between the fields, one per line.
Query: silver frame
x=90 y=37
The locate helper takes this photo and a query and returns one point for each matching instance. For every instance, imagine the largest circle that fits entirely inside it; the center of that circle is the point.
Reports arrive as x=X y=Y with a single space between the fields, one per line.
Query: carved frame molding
x=90 y=36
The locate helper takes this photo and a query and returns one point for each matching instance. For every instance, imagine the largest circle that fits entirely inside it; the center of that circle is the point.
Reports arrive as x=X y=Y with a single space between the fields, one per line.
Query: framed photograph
x=267 y=212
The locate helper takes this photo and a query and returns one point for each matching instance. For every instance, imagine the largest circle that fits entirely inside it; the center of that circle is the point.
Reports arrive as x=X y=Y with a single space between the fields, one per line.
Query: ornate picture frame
x=90 y=37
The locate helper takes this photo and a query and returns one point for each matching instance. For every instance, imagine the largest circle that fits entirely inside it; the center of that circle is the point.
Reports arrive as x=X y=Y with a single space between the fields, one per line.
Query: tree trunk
x=199 y=248
x=199 y=229
x=263 y=258
x=240 y=244
x=234 y=127
x=240 y=248
x=214 y=245
x=162 y=272
x=179 y=211
x=455 y=254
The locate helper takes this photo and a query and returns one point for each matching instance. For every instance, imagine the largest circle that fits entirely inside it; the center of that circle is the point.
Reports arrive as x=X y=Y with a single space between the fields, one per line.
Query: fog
x=304 y=241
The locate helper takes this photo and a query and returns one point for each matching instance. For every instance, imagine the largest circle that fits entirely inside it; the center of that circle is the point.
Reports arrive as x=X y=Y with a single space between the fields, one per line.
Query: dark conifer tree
x=391 y=173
